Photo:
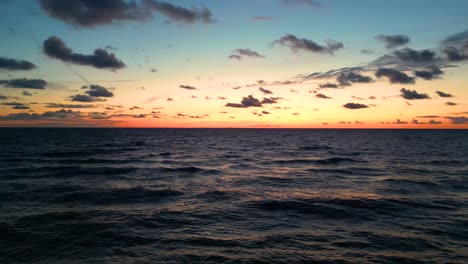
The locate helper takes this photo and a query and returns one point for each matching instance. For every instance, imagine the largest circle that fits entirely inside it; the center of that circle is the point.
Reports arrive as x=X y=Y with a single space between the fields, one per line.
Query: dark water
x=234 y=196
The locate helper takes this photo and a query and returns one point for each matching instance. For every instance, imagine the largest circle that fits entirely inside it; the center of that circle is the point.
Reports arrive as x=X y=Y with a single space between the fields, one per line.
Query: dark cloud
x=4 y=97
x=455 y=54
x=399 y=122
x=87 y=13
x=61 y=115
x=394 y=76
x=16 y=65
x=26 y=93
x=84 y=98
x=355 y=106
x=322 y=96
x=367 y=51
x=99 y=91
x=181 y=14
x=251 y=101
x=456 y=39
x=457 y=120
x=296 y=44
x=415 y=56
x=412 y=94
x=236 y=57
x=328 y=85
x=442 y=94
x=270 y=100
x=434 y=122
x=248 y=53
x=429 y=73
x=393 y=41
x=56 y=48
x=24 y=83
x=310 y=3
x=15 y=105
x=265 y=91
x=451 y=103
x=261 y=18
x=56 y=105
x=345 y=79
x=428 y=116
x=187 y=87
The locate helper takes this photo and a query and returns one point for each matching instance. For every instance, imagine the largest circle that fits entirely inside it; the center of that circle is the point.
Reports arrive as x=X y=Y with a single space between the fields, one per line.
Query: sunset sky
x=219 y=63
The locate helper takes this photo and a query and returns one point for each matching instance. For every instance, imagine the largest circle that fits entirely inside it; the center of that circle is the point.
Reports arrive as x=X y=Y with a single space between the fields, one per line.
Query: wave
x=331 y=161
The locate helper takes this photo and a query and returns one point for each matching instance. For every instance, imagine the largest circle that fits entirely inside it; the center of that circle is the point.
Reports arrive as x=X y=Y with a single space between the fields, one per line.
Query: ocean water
x=233 y=196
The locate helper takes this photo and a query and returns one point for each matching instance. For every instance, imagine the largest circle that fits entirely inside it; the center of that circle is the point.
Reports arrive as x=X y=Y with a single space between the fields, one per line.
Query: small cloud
x=24 y=83
x=457 y=120
x=442 y=94
x=355 y=106
x=16 y=65
x=301 y=44
x=261 y=18
x=399 y=122
x=451 y=103
x=235 y=57
x=328 y=85
x=248 y=101
x=345 y=79
x=309 y=3
x=394 y=76
x=322 y=96
x=26 y=93
x=393 y=41
x=242 y=53
x=412 y=94
x=187 y=87
x=265 y=91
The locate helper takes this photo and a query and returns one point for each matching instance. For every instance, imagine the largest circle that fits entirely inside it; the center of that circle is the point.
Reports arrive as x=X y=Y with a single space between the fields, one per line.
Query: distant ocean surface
x=233 y=196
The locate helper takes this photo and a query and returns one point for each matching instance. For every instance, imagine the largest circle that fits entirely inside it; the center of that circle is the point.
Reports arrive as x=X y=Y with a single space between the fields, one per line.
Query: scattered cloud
x=301 y=44
x=394 y=76
x=457 y=120
x=248 y=101
x=16 y=65
x=345 y=79
x=56 y=48
x=85 y=13
x=52 y=115
x=393 y=41
x=61 y=106
x=429 y=73
x=355 y=106
x=26 y=93
x=451 y=103
x=412 y=94
x=24 y=83
x=265 y=91
x=442 y=94
x=238 y=54
x=84 y=98
x=322 y=96
x=328 y=85
x=187 y=87
x=99 y=91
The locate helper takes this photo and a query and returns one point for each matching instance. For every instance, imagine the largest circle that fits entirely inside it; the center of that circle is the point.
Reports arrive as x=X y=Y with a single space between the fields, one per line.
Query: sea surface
x=233 y=196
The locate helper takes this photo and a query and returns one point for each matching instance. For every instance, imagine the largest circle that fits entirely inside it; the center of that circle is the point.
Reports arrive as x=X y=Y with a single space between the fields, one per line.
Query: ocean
x=233 y=196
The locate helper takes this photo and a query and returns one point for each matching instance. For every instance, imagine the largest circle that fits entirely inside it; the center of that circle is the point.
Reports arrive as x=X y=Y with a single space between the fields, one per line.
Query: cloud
x=393 y=41
x=4 y=97
x=345 y=79
x=454 y=54
x=457 y=120
x=442 y=94
x=413 y=95
x=16 y=65
x=416 y=56
x=322 y=96
x=429 y=73
x=187 y=87
x=251 y=101
x=241 y=53
x=260 y=18
x=86 y=13
x=85 y=98
x=61 y=114
x=181 y=14
x=394 y=76
x=428 y=116
x=456 y=39
x=399 y=122
x=355 y=106
x=99 y=91
x=451 y=103
x=26 y=93
x=237 y=57
x=248 y=53
x=434 y=122
x=297 y=44
x=56 y=48
x=56 y=105
x=328 y=85
x=24 y=83
x=310 y=3
x=15 y=105
x=265 y=91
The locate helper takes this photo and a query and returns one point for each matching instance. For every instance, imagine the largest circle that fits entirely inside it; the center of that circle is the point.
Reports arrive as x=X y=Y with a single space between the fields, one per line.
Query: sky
x=234 y=64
